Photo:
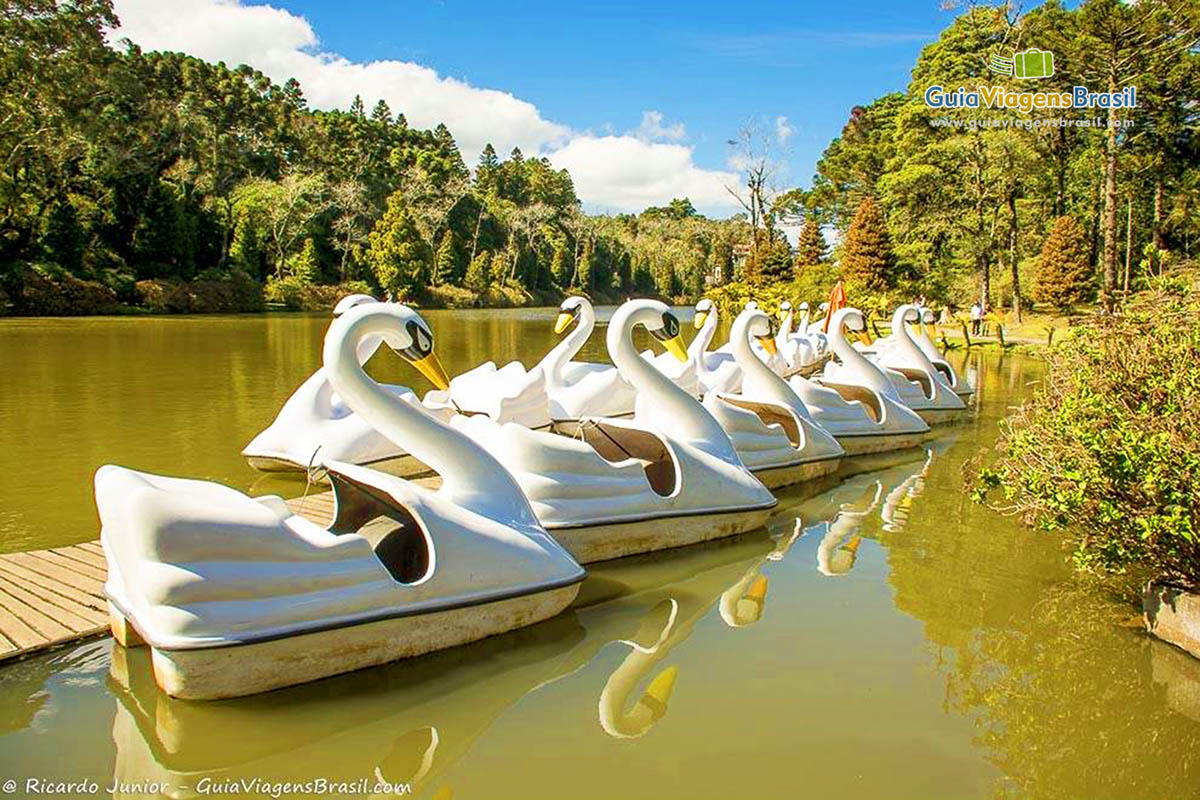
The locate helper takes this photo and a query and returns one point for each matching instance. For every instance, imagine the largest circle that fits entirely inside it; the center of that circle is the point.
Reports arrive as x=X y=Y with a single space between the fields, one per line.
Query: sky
x=638 y=100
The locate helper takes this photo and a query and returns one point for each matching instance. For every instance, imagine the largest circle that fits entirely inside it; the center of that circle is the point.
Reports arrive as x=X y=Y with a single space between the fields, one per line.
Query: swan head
x=823 y=307
x=850 y=319
x=906 y=314
x=568 y=313
x=757 y=324
x=803 y=305
x=666 y=329
x=784 y=307
x=927 y=316
x=703 y=309
x=350 y=301
x=402 y=329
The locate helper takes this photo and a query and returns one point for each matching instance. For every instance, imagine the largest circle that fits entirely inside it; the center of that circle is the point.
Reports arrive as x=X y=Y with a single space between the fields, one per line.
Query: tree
x=445 y=265
x=867 y=253
x=479 y=276
x=1064 y=274
x=398 y=255
x=810 y=246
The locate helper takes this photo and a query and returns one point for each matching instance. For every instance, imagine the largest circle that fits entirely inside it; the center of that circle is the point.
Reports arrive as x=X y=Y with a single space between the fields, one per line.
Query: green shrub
x=287 y=291
x=51 y=292
x=1108 y=449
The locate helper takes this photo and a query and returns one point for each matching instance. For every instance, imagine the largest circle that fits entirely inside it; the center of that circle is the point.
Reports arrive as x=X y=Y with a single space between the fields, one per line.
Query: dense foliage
x=163 y=181
x=968 y=207
x=1108 y=450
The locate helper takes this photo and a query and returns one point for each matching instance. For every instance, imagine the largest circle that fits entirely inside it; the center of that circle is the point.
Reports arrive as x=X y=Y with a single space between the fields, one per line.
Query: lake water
x=882 y=637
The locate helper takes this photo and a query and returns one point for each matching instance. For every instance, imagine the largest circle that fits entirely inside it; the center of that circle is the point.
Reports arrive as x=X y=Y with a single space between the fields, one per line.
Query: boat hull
x=881 y=442
x=593 y=543
x=938 y=416
x=244 y=669
x=778 y=477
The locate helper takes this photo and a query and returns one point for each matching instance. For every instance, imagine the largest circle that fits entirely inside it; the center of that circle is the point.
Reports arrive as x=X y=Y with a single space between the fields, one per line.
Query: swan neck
x=703 y=340
x=467 y=470
x=556 y=360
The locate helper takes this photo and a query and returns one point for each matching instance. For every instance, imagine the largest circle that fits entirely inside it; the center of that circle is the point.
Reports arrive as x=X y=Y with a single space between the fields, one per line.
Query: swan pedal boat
x=921 y=336
x=855 y=401
x=667 y=478
x=579 y=389
x=236 y=595
x=921 y=386
x=314 y=423
x=769 y=425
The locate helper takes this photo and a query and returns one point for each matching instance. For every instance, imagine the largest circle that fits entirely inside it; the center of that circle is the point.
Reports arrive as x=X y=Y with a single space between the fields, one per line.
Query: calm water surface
x=882 y=637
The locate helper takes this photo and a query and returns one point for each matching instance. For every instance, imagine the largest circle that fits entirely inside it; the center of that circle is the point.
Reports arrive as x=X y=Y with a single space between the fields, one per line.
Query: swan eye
x=669 y=329
x=422 y=341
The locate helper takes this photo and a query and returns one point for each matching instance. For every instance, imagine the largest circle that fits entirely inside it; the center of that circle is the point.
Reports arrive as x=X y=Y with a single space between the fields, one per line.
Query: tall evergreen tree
x=445 y=266
x=810 y=246
x=1064 y=275
x=867 y=253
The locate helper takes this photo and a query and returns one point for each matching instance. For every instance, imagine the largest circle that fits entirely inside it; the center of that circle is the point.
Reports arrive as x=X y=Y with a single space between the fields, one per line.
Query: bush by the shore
x=1108 y=449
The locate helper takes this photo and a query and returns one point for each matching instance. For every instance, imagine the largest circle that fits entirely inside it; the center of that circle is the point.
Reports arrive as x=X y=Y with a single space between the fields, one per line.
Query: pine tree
x=810 y=247
x=357 y=109
x=397 y=254
x=560 y=269
x=867 y=258
x=479 y=274
x=586 y=266
x=1064 y=275
x=487 y=171
x=381 y=113
x=445 y=262
x=305 y=266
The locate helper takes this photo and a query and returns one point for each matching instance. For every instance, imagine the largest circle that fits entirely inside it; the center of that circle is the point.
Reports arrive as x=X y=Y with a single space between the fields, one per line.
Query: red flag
x=837 y=299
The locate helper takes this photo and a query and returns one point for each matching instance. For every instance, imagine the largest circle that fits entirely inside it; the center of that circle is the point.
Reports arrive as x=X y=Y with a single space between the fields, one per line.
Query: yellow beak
x=658 y=693
x=853 y=545
x=676 y=347
x=698 y=322
x=565 y=318
x=864 y=337
x=431 y=367
x=768 y=344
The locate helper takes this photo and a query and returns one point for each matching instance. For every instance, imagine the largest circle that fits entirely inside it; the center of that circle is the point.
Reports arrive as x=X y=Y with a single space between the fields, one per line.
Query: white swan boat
x=238 y=595
x=770 y=427
x=718 y=371
x=855 y=401
x=921 y=336
x=606 y=492
x=580 y=389
x=921 y=386
x=315 y=424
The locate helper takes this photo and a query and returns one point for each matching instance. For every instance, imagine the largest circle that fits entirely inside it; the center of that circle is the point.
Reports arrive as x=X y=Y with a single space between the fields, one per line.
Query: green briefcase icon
x=1033 y=63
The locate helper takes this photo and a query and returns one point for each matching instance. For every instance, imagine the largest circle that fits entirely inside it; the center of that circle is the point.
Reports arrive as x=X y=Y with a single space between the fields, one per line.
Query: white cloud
x=626 y=172
x=783 y=129
x=652 y=128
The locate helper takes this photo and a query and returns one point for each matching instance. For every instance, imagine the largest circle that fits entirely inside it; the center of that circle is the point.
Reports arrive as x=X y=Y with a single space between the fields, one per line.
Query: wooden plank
x=94 y=547
x=74 y=579
x=49 y=628
x=87 y=570
x=24 y=576
x=87 y=557
x=21 y=634
x=7 y=648
x=77 y=618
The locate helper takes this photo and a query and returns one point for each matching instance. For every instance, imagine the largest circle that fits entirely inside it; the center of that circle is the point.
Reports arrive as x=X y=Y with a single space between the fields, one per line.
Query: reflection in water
x=839 y=546
x=898 y=503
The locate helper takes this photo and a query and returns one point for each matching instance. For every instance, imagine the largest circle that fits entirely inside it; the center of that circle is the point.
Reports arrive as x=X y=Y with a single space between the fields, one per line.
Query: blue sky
x=590 y=73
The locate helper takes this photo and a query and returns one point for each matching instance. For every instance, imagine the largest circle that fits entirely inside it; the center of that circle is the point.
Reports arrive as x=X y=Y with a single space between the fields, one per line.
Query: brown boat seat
x=770 y=414
x=852 y=393
x=616 y=443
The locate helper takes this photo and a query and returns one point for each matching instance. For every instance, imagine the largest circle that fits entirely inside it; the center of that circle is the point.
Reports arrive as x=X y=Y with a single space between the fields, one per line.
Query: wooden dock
x=53 y=597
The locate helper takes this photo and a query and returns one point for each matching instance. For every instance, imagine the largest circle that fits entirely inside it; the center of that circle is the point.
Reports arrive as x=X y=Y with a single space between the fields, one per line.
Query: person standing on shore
x=976 y=317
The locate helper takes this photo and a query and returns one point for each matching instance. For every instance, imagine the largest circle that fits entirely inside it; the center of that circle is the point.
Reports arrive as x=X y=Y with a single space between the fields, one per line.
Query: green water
x=918 y=647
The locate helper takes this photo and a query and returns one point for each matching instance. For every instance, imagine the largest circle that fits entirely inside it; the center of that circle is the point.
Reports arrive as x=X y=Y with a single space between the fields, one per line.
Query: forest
x=158 y=181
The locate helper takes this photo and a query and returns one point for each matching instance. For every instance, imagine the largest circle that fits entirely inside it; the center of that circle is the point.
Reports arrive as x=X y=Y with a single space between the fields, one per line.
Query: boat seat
x=918 y=377
x=616 y=443
x=770 y=414
x=395 y=534
x=861 y=394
